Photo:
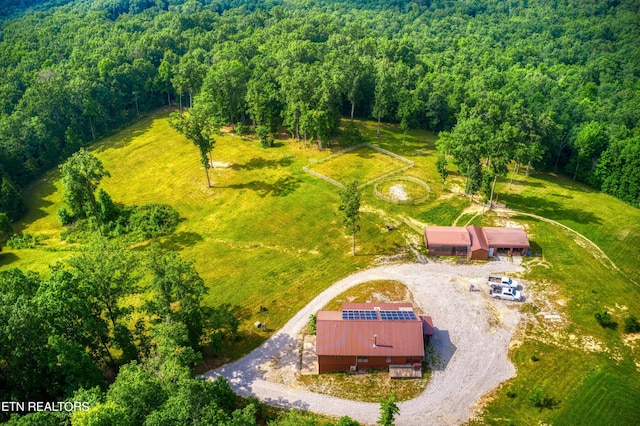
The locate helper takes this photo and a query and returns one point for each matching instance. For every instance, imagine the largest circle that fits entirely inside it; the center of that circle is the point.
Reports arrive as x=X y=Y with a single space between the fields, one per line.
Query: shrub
x=241 y=129
x=511 y=394
x=22 y=241
x=263 y=134
x=108 y=210
x=539 y=400
x=65 y=217
x=152 y=220
x=311 y=328
x=534 y=358
x=631 y=324
x=604 y=319
x=351 y=135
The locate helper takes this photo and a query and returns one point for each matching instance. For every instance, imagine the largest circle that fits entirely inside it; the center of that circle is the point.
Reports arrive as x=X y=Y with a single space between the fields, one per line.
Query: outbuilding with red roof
x=475 y=242
x=365 y=336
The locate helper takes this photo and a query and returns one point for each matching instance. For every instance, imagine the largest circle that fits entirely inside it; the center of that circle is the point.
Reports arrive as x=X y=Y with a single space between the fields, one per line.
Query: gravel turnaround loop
x=471 y=341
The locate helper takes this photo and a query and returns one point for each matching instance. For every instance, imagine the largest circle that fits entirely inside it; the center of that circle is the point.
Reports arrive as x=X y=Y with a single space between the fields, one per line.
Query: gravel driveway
x=472 y=340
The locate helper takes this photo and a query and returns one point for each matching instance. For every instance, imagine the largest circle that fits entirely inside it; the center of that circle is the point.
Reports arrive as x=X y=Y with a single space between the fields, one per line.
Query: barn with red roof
x=365 y=336
x=475 y=242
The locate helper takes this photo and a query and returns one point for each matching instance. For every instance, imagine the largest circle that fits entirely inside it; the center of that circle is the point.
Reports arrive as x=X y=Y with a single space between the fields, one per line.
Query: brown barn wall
x=479 y=254
x=447 y=250
x=328 y=364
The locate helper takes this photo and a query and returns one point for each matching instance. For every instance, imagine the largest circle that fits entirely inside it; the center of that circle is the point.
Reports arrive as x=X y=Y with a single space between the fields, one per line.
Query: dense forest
x=552 y=85
x=549 y=85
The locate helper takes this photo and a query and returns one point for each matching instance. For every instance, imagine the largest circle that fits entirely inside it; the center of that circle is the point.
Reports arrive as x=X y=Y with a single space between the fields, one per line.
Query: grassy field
x=362 y=165
x=269 y=235
x=589 y=373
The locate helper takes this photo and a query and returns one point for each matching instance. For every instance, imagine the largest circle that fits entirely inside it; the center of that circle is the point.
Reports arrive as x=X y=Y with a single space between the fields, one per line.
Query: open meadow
x=267 y=238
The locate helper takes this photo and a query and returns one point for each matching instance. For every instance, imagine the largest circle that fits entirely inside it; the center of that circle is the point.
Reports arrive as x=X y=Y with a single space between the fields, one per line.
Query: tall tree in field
x=81 y=175
x=199 y=130
x=350 y=206
x=443 y=168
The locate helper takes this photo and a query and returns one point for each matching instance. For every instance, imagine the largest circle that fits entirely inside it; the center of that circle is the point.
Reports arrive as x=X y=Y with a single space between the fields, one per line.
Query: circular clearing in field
x=402 y=190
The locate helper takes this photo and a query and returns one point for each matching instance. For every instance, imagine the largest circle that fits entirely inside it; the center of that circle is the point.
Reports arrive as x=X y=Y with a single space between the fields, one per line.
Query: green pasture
x=589 y=374
x=362 y=165
x=610 y=223
x=267 y=238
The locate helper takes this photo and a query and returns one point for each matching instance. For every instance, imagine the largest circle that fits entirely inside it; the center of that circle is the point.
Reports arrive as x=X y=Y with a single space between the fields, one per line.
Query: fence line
x=386 y=175
x=389 y=153
x=353 y=148
x=323 y=177
x=410 y=202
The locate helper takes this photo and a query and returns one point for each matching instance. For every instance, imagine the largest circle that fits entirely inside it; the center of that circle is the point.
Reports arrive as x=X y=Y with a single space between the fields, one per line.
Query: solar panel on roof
x=397 y=315
x=352 y=314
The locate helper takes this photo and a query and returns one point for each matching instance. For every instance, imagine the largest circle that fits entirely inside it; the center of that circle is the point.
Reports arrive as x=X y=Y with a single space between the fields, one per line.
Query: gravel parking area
x=471 y=342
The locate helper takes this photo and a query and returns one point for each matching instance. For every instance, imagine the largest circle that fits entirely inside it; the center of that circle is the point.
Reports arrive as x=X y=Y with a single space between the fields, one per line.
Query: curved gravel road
x=472 y=334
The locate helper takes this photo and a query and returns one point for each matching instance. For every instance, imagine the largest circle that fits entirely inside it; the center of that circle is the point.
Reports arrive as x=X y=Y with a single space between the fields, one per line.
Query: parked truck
x=503 y=282
x=505 y=293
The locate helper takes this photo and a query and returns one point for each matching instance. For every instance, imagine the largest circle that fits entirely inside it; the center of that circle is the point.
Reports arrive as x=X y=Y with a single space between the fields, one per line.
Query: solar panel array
x=352 y=314
x=397 y=315
x=349 y=314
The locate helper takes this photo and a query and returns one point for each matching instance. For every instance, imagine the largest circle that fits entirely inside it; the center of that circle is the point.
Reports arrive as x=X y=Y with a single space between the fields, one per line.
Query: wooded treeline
x=549 y=84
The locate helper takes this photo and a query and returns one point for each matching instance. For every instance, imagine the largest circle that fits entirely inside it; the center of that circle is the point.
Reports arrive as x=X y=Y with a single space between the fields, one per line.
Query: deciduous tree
x=196 y=127
x=81 y=175
x=350 y=206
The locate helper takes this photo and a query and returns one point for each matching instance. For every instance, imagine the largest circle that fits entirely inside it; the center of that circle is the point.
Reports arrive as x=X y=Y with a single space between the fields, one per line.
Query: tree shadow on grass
x=181 y=240
x=36 y=203
x=127 y=133
x=261 y=163
x=280 y=188
x=7 y=259
x=549 y=208
x=524 y=182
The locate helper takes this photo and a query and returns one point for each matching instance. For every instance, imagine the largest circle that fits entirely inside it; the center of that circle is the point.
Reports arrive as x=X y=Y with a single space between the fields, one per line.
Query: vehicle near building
x=503 y=282
x=505 y=293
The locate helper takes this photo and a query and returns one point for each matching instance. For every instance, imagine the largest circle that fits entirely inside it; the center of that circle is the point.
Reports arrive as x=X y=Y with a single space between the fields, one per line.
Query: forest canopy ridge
x=557 y=81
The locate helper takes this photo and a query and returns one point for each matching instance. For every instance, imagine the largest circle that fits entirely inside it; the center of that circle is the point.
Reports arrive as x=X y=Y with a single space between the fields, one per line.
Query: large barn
x=365 y=336
x=475 y=242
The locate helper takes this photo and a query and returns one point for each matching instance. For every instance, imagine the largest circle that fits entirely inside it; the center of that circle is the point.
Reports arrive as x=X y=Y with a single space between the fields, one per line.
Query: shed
x=475 y=242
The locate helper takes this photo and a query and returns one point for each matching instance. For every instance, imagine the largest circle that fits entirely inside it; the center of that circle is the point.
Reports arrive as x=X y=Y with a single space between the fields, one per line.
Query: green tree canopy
x=350 y=208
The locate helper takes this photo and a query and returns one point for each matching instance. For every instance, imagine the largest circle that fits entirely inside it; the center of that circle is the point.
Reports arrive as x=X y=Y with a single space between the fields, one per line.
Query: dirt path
x=472 y=339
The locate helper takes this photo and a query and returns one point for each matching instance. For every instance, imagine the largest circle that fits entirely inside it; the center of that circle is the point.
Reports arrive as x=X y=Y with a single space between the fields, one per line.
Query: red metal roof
x=336 y=337
x=506 y=237
x=478 y=240
x=446 y=236
x=476 y=237
x=427 y=326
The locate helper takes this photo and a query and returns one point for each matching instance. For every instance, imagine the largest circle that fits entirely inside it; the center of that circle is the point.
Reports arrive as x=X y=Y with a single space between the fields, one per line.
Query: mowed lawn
x=362 y=165
x=590 y=374
x=610 y=223
x=267 y=235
